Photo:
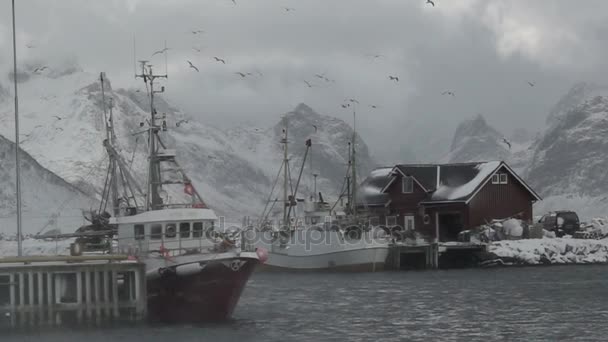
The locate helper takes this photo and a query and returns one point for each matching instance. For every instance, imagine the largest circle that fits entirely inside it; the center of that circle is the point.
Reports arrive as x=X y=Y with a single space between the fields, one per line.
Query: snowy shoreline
x=550 y=251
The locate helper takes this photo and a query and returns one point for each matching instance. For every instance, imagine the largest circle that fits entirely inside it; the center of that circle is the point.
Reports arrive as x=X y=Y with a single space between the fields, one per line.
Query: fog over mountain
x=233 y=169
x=485 y=52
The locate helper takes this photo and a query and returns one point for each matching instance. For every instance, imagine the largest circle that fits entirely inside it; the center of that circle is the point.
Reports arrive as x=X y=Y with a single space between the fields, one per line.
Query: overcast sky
x=485 y=51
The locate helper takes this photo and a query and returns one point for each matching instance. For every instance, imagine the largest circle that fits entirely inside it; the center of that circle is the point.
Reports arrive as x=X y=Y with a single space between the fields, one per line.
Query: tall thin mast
x=110 y=138
x=285 y=173
x=354 y=166
x=153 y=200
x=17 y=156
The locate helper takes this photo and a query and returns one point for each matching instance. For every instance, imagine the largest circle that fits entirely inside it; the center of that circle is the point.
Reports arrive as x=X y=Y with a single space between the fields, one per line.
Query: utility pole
x=17 y=148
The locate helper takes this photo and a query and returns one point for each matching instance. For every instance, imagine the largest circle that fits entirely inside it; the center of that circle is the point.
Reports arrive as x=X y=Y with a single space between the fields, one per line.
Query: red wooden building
x=445 y=199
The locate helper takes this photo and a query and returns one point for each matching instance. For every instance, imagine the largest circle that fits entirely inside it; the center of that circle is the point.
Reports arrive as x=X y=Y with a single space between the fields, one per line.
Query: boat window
x=139 y=232
x=156 y=232
x=184 y=230
x=170 y=230
x=197 y=229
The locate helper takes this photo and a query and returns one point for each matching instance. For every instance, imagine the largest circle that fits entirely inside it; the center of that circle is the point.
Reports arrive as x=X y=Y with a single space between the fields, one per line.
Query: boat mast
x=153 y=200
x=354 y=166
x=110 y=138
x=17 y=156
x=285 y=172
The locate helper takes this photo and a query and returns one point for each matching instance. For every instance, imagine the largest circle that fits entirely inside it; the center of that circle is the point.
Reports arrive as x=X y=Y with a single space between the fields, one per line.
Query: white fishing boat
x=194 y=272
x=312 y=235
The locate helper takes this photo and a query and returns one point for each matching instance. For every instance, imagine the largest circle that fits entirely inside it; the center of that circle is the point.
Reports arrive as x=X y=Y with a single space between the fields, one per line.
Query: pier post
x=106 y=291
x=40 y=300
x=87 y=291
x=49 y=296
x=12 y=297
x=114 y=293
x=21 y=290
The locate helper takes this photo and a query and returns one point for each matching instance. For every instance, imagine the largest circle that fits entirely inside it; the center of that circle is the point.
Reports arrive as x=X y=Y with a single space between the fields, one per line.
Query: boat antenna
x=17 y=156
x=134 y=59
x=166 y=63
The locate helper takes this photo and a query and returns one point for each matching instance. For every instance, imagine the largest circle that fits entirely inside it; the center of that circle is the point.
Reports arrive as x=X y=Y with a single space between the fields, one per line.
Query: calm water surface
x=567 y=303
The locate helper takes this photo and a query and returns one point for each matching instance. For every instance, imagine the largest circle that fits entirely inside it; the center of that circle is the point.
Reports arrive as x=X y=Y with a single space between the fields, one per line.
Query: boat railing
x=206 y=243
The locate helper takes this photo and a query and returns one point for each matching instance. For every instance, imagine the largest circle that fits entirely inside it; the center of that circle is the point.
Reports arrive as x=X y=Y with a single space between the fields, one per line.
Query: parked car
x=563 y=222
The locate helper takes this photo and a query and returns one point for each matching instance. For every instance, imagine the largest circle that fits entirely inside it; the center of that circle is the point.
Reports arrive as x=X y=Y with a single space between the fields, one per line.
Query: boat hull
x=355 y=260
x=210 y=294
x=314 y=250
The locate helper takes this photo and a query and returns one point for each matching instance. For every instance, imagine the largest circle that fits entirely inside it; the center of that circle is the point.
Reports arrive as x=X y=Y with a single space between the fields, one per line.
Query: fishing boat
x=313 y=235
x=194 y=272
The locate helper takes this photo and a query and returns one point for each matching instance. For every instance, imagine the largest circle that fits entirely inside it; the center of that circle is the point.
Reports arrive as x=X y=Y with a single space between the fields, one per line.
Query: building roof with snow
x=442 y=182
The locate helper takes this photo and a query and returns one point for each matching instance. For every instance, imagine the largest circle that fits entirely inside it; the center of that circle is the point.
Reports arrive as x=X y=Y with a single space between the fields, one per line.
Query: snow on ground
x=33 y=247
x=554 y=251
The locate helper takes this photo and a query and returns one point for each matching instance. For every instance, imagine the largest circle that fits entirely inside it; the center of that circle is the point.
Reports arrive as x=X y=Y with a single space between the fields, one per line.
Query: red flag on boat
x=189 y=189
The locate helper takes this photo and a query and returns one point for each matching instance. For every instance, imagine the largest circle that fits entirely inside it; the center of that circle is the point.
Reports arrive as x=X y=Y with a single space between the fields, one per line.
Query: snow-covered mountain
x=567 y=163
x=47 y=200
x=63 y=129
x=476 y=141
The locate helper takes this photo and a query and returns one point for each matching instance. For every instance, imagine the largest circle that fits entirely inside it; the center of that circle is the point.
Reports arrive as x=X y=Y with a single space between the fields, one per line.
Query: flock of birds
x=320 y=77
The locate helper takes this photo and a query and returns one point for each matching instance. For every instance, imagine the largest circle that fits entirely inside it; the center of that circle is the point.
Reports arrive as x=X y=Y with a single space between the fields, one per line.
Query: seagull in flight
x=219 y=60
x=57 y=117
x=197 y=31
x=353 y=101
x=373 y=106
x=160 y=51
x=315 y=126
x=448 y=93
x=345 y=105
x=308 y=84
x=531 y=84
x=430 y=2
x=196 y=49
x=40 y=69
x=394 y=78
x=506 y=142
x=243 y=75
x=288 y=9
x=192 y=66
x=234 y=2
x=30 y=46
x=59 y=129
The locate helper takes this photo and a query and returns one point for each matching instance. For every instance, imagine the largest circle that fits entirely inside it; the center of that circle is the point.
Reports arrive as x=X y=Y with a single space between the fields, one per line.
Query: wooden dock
x=42 y=291
x=431 y=255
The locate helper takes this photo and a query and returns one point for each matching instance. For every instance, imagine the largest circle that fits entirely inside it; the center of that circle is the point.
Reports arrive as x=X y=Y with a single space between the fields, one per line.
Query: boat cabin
x=170 y=229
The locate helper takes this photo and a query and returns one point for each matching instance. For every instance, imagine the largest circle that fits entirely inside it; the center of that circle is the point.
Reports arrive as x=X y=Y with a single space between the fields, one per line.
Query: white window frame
x=495 y=179
x=403 y=182
x=409 y=219
x=504 y=180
